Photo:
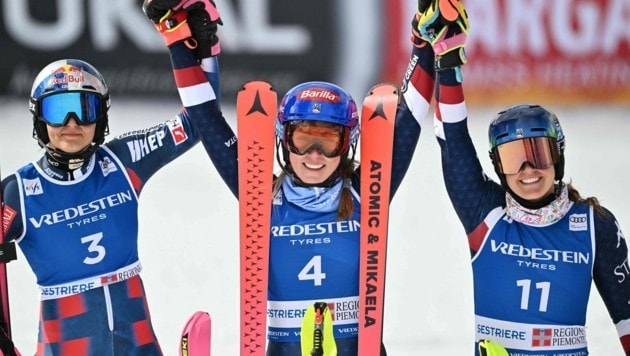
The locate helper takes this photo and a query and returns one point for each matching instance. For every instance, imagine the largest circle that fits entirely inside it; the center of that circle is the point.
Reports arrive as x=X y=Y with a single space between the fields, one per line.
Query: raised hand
x=193 y=21
x=444 y=24
x=204 y=18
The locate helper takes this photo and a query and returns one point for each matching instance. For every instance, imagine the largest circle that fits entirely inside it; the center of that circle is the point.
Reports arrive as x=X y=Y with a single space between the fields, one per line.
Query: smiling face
x=313 y=167
x=71 y=138
x=532 y=184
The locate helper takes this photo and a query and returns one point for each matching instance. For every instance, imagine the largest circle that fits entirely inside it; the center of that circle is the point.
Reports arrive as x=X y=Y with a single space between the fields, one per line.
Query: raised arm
x=472 y=193
x=417 y=92
x=204 y=112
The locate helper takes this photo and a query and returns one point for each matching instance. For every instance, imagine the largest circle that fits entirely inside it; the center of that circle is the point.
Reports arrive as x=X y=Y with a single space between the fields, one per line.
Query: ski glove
x=444 y=24
x=204 y=19
x=192 y=21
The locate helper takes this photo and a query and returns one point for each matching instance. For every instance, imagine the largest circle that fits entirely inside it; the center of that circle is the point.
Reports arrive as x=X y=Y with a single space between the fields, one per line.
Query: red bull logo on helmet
x=67 y=74
x=318 y=94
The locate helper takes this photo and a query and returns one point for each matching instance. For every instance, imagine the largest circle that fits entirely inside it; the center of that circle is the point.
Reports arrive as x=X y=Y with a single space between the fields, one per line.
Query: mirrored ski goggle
x=86 y=108
x=329 y=139
x=539 y=152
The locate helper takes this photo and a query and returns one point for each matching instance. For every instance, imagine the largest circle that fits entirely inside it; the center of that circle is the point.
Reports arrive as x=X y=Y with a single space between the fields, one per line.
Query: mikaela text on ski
x=371 y=295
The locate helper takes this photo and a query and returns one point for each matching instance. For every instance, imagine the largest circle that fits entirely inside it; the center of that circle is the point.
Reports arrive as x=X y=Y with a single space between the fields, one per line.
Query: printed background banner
x=561 y=51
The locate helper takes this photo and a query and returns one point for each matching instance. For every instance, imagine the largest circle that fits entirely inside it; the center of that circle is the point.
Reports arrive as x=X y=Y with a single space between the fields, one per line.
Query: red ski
x=377 y=134
x=256 y=107
x=7 y=254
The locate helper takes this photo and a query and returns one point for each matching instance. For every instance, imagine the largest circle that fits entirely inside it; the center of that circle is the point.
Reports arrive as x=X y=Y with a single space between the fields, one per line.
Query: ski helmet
x=521 y=122
x=317 y=102
x=90 y=96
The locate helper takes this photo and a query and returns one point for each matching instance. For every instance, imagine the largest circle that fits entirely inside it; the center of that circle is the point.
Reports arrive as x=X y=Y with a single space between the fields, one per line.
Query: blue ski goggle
x=85 y=107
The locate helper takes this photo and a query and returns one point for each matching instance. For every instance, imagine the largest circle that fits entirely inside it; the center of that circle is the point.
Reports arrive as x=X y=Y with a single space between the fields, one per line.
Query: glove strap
x=444 y=45
x=173 y=27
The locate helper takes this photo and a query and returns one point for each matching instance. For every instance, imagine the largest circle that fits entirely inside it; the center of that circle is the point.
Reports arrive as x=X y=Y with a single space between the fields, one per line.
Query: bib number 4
x=313 y=271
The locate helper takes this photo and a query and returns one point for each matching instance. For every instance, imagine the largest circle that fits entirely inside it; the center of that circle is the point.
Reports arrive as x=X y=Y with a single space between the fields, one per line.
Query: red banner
x=560 y=51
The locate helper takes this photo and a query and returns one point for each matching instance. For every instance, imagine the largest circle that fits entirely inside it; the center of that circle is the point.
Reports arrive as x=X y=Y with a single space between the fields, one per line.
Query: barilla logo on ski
x=32 y=186
x=318 y=94
x=67 y=74
x=176 y=128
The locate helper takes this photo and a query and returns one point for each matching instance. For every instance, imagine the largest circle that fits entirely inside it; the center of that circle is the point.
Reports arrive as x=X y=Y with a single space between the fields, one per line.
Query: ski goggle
x=86 y=108
x=329 y=139
x=539 y=152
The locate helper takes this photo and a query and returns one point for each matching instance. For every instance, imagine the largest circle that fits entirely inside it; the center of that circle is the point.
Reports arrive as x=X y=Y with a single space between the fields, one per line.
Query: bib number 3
x=94 y=248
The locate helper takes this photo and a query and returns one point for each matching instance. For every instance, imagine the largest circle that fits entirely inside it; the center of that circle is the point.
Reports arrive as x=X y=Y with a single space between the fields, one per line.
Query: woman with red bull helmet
x=74 y=212
x=314 y=237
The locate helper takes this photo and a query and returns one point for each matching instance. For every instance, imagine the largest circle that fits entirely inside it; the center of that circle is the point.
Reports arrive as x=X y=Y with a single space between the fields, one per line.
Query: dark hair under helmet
x=525 y=121
x=68 y=75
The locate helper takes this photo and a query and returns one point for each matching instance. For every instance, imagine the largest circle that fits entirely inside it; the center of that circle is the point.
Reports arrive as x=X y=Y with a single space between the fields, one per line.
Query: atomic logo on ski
x=379 y=111
x=257 y=106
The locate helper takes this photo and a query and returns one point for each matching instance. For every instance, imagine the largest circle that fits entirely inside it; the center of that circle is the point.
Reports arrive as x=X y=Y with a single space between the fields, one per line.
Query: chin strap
x=69 y=161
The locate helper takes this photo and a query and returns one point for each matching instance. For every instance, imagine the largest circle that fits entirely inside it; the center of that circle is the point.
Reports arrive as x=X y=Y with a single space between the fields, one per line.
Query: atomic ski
x=256 y=106
x=196 y=335
x=7 y=254
x=377 y=134
x=317 y=335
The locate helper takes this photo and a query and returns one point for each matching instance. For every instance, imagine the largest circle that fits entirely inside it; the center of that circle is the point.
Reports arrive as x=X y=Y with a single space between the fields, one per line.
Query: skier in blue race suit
x=536 y=244
x=74 y=212
x=318 y=187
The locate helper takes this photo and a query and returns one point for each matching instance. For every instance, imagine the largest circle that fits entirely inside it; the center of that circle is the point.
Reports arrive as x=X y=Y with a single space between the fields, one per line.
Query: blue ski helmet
x=526 y=121
x=318 y=101
x=70 y=75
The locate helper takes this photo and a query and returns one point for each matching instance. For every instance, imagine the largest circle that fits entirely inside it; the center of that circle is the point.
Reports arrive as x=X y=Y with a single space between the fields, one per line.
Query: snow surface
x=189 y=233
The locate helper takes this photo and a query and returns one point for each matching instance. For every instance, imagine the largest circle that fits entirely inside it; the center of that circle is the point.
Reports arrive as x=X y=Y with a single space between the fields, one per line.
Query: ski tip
x=195 y=338
x=258 y=84
x=385 y=87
